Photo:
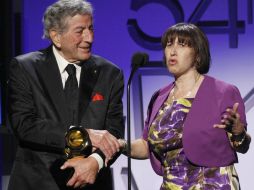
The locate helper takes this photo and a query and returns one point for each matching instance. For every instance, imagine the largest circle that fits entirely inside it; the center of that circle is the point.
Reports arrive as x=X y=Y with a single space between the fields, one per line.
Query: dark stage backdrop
x=124 y=27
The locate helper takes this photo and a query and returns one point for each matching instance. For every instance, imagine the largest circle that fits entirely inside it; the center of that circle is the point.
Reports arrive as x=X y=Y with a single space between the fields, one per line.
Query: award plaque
x=77 y=143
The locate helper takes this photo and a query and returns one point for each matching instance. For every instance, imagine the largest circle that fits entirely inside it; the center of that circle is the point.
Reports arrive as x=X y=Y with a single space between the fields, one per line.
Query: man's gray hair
x=56 y=14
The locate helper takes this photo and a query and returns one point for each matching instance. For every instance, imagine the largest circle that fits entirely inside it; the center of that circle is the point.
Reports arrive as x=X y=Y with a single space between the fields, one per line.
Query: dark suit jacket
x=38 y=114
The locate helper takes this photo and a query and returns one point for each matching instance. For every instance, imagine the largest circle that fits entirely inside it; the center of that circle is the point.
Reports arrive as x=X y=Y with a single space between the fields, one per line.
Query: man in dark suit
x=40 y=112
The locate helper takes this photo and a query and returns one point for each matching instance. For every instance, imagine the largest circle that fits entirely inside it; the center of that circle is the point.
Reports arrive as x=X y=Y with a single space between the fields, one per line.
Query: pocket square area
x=97 y=97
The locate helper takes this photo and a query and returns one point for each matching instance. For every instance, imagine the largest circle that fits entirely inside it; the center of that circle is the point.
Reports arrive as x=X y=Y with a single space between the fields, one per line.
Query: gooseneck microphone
x=139 y=59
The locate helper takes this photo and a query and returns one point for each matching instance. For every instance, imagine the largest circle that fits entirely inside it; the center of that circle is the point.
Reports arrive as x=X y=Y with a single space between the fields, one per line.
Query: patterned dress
x=165 y=139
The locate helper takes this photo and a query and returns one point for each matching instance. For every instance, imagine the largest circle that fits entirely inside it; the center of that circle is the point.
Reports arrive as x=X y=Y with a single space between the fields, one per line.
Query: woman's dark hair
x=195 y=38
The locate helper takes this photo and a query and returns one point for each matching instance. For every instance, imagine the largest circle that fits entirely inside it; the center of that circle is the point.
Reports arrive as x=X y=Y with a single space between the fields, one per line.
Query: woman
x=195 y=125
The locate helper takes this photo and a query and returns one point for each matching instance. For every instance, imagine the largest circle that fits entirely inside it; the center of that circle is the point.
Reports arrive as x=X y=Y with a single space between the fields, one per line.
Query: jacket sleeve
x=155 y=162
x=114 y=118
x=231 y=96
x=149 y=111
x=29 y=126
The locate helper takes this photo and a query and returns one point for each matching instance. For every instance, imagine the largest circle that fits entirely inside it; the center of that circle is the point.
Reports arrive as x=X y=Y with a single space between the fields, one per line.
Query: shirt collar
x=62 y=62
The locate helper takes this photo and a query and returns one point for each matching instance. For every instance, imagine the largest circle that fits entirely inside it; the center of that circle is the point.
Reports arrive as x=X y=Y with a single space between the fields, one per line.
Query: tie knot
x=70 y=69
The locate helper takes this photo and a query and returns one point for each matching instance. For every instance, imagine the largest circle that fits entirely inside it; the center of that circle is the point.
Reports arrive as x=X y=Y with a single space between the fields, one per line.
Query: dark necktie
x=71 y=92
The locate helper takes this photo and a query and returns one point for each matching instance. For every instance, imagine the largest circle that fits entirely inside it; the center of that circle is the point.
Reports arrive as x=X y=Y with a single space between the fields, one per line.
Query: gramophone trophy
x=77 y=143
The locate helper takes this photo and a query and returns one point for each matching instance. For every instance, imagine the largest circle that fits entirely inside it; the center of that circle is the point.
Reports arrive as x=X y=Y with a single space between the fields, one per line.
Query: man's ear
x=55 y=37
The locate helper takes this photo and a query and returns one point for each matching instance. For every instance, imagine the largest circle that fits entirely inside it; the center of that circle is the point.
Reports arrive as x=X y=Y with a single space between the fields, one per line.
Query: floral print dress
x=165 y=140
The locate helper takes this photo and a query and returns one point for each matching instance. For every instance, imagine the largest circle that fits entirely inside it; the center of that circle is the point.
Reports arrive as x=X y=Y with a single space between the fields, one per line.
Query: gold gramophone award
x=77 y=143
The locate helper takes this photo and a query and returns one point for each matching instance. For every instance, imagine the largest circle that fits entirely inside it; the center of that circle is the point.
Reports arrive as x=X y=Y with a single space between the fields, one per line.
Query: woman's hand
x=230 y=121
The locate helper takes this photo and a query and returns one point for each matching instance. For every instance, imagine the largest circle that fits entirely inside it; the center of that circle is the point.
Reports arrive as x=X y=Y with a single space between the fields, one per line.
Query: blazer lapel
x=50 y=77
x=89 y=75
x=159 y=101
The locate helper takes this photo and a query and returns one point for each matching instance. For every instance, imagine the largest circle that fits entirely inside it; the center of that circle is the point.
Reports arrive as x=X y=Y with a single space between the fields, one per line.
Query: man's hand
x=86 y=170
x=106 y=142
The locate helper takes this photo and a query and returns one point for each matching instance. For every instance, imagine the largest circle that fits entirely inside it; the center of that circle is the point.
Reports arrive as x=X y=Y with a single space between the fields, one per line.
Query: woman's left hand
x=230 y=121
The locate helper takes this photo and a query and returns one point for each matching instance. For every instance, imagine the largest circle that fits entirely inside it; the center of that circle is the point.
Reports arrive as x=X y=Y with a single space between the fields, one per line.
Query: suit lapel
x=50 y=77
x=89 y=75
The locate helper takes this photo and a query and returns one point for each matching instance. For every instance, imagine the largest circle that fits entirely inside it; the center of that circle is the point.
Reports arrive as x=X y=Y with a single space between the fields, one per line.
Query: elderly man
x=58 y=87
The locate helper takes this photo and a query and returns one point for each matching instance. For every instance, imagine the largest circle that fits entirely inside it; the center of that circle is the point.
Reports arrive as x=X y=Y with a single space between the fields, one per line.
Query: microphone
x=139 y=59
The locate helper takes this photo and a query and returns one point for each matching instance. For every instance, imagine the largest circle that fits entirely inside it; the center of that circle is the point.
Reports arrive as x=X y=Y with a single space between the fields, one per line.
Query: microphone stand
x=129 y=128
x=138 y=60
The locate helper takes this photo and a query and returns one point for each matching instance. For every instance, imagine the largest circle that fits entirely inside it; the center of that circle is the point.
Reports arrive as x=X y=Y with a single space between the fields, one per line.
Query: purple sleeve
x=241 y=107
x=156 y=165
x=149 y=112
x=145 y=130
x=232 y=96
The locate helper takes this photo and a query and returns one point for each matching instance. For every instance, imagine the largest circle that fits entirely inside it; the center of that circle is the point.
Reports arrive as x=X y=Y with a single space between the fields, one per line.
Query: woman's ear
x=55 y=38
x=197 y=59
x=197 y=63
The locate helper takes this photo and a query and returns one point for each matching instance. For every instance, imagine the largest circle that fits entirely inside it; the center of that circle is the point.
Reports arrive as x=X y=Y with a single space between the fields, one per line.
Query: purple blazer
x=203 y=144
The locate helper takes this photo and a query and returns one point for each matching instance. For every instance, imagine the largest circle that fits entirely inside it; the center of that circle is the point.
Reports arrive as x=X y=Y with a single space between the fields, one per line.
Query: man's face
x=75 y=41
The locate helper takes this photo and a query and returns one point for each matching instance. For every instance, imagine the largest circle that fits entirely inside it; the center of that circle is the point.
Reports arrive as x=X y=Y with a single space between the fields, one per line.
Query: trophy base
x=61 y=176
